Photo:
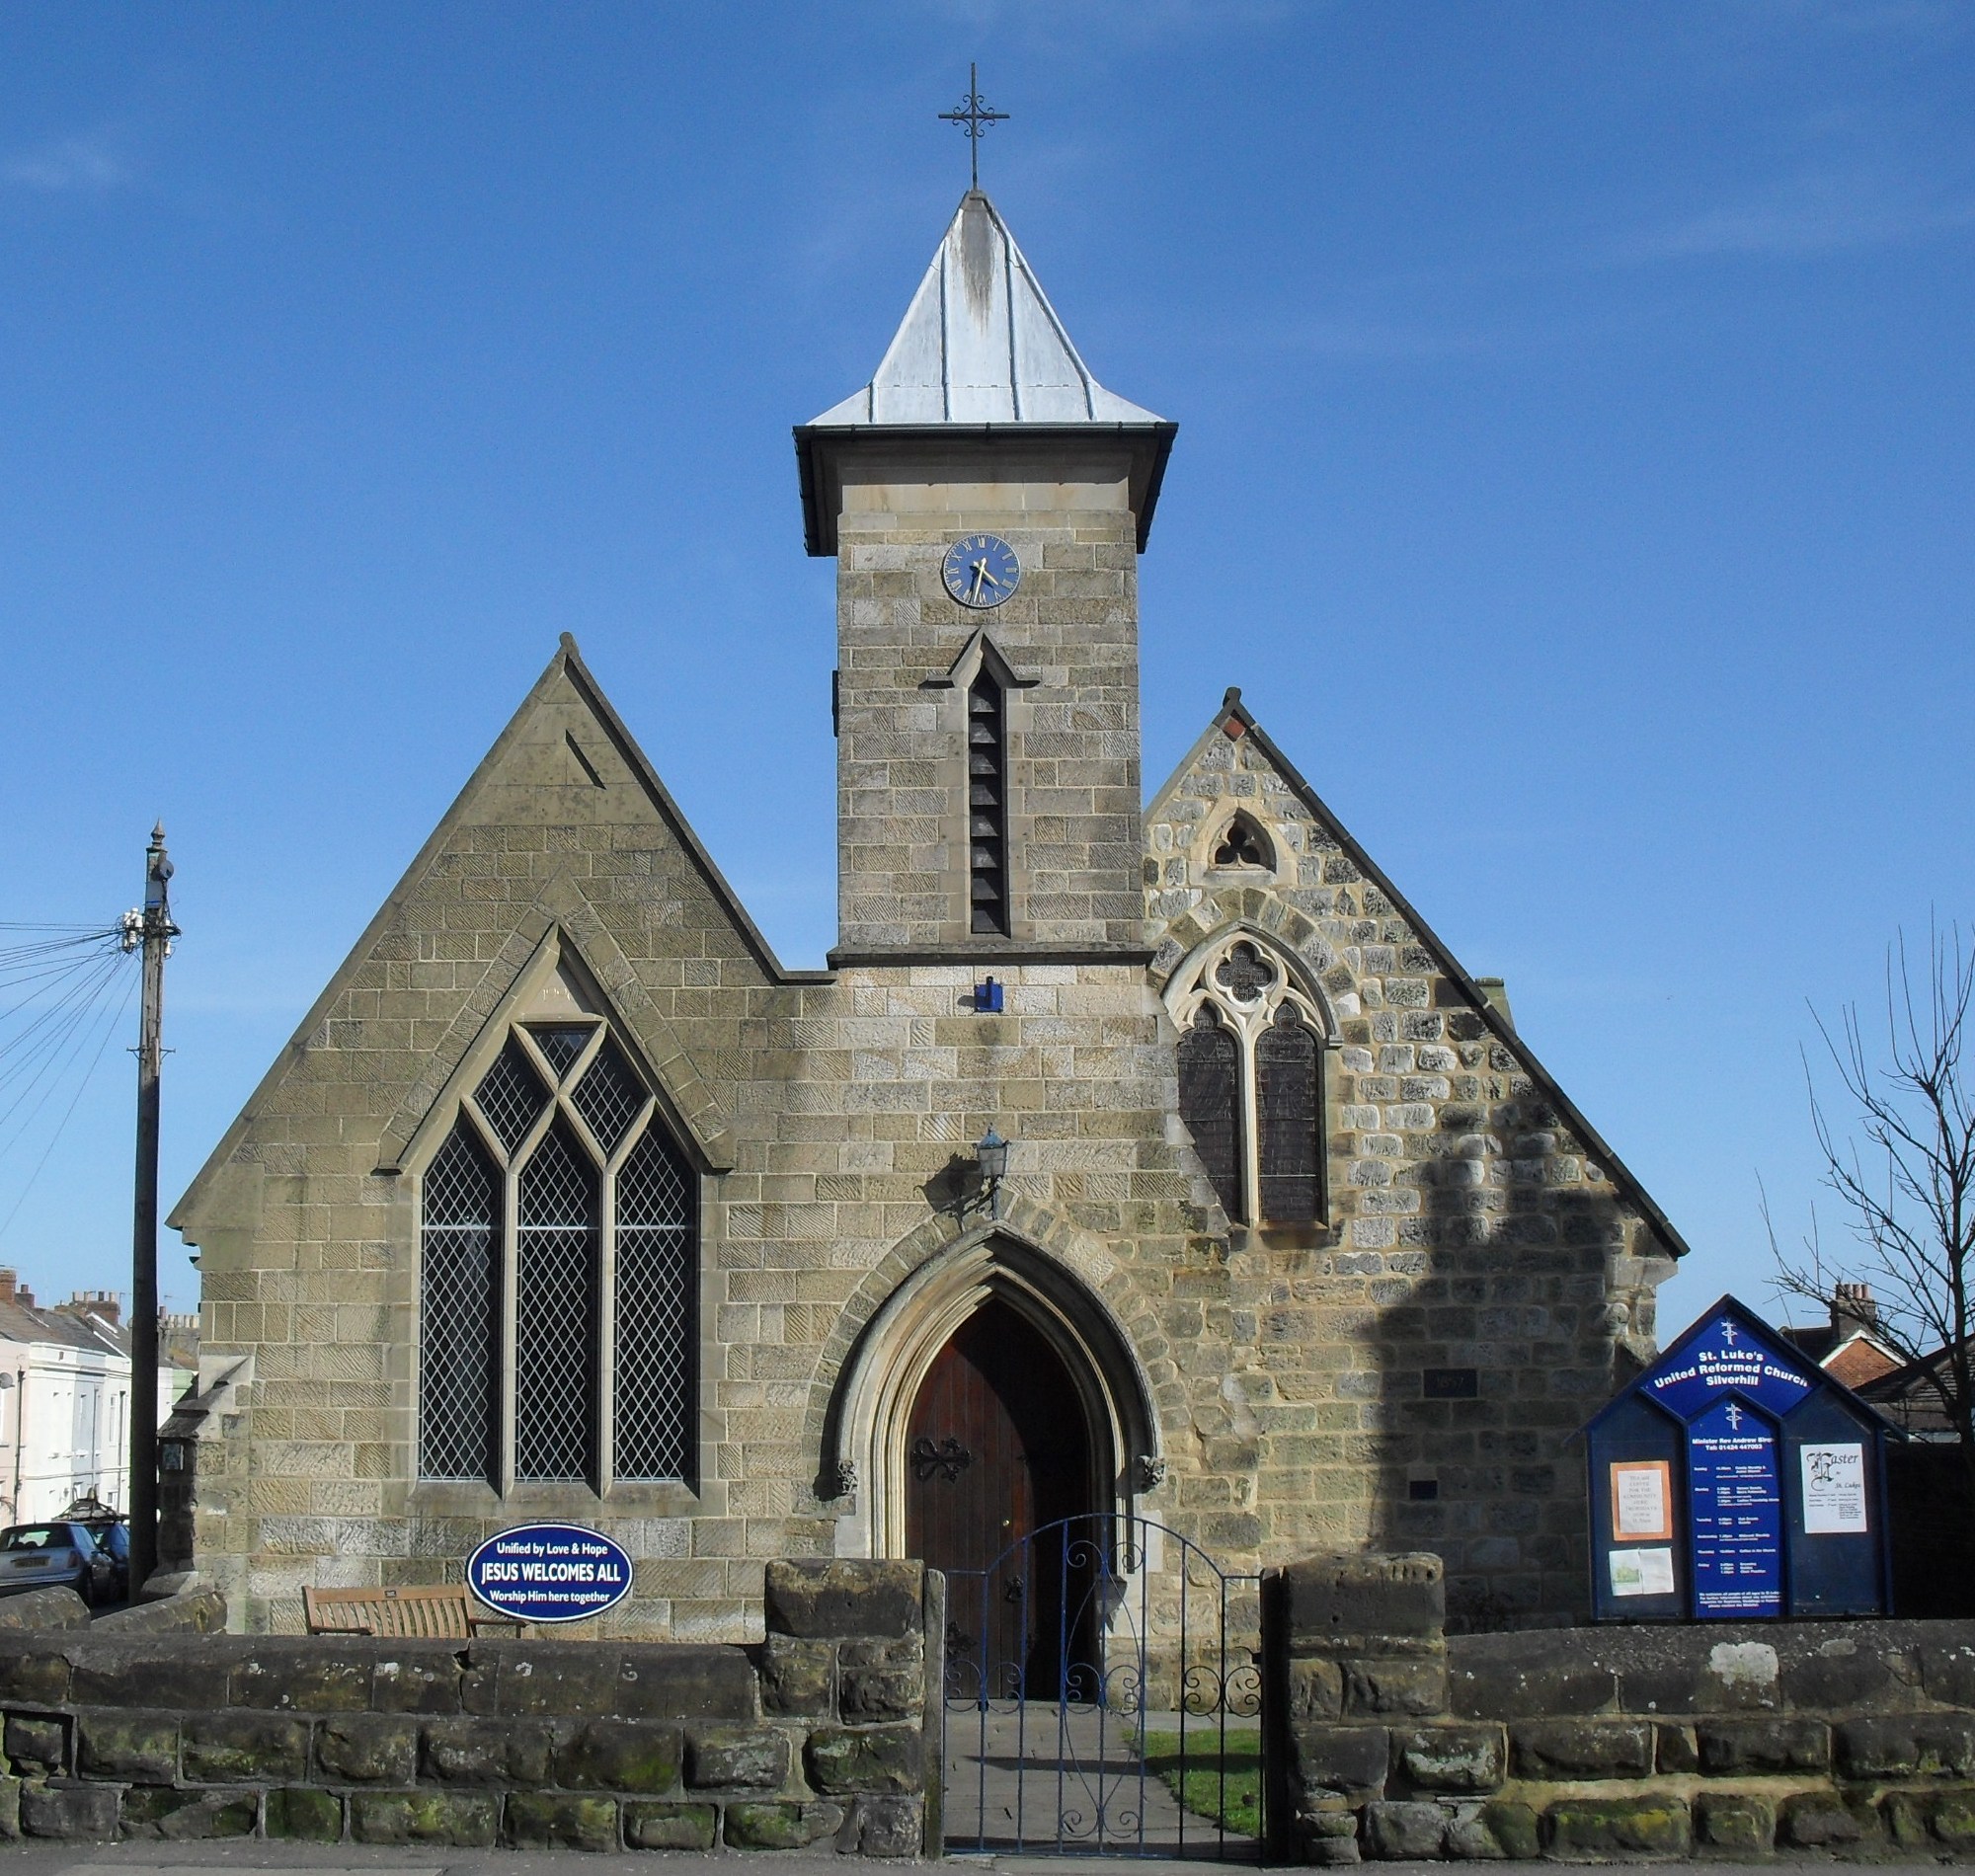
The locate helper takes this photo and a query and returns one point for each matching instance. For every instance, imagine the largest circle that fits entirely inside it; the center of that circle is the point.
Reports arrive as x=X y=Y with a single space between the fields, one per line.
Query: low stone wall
x=201 y=1610
x=55 y=1606
x=826 y=1733
x=1388 y=1740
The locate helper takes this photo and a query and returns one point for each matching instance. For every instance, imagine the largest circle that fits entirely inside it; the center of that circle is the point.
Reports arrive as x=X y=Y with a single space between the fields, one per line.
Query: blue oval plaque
x=549 y=1573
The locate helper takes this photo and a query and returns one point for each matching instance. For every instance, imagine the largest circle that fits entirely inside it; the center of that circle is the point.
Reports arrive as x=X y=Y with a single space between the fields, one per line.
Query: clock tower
x=986 y=501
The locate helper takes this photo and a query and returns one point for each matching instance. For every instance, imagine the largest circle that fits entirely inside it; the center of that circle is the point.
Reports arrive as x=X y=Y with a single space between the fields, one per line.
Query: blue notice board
x=1721 y=1353
x=1735 y=1480
x=1735 y=1500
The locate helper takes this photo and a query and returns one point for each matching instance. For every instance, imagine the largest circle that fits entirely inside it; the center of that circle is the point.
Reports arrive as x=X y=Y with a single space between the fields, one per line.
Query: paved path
x=1030 y=1778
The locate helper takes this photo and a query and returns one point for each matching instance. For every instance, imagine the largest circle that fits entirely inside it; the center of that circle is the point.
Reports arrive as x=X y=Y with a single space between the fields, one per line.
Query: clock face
x=981 y=571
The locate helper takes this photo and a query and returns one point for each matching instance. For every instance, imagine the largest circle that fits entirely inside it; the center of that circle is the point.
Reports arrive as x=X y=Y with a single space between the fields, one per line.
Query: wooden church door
x=998 y=1447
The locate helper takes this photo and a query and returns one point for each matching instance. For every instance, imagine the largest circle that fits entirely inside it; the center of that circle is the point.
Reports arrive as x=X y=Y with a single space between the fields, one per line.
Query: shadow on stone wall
x=1493 y=1339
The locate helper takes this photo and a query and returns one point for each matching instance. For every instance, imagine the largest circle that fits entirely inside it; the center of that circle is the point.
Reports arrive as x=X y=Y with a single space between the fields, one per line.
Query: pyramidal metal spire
x=981 y=343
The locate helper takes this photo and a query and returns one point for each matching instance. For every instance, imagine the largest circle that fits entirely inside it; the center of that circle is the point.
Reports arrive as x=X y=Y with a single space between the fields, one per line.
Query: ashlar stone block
x=845 y=1759
x=463 y=1819
x=1453 y=1758
x=650 y=1826
x=621 y=1756
x=552 y=1821
x=780 y=1827
x=729 y=1756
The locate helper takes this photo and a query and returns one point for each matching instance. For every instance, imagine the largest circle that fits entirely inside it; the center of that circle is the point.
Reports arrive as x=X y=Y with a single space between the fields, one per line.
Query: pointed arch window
x=558 y=1274
x=460 y=1294
x=1251 y=1084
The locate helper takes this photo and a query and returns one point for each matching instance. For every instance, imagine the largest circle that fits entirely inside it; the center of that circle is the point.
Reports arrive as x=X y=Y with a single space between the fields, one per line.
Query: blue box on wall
x=1735 y=1480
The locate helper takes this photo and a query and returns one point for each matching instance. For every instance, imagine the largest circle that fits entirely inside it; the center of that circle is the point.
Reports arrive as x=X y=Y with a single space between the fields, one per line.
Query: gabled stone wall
x=1474 y=1225
x=1478 y=1233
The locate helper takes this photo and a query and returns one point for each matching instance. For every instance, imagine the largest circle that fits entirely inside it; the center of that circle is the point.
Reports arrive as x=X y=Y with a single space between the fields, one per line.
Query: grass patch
x=1236 y=1800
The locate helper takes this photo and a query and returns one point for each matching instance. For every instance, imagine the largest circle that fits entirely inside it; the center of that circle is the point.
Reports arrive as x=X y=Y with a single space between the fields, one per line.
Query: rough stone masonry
x=1390 y=1742
x=826 y=1734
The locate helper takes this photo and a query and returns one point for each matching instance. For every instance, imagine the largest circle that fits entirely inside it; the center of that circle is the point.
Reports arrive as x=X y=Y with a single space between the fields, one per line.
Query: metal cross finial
x=975 y=118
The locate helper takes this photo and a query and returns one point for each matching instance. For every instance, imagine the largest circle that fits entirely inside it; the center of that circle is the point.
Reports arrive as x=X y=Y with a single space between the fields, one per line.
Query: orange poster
x=1642 y=1501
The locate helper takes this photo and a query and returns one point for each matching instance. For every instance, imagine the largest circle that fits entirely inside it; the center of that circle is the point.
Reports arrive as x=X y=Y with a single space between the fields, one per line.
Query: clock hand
x=980 y=574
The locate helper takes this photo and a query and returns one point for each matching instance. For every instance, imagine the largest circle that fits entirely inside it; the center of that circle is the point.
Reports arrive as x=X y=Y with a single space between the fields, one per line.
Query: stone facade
x=1475 y=1221
x=1406 y=1368
x=1071 y=635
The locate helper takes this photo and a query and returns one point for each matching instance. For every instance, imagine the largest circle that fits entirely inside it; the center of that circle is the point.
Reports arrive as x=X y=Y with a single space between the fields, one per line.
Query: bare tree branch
x=1902 y=1167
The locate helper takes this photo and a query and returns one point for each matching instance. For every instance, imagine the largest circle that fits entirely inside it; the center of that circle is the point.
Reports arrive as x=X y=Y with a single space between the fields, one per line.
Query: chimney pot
x=1853 y=1307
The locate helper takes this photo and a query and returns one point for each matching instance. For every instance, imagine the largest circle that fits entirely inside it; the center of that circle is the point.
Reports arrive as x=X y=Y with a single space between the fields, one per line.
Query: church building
x=1133 y=1153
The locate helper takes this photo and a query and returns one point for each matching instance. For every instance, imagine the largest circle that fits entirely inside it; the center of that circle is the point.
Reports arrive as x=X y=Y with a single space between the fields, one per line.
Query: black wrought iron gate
x=1103 y=1696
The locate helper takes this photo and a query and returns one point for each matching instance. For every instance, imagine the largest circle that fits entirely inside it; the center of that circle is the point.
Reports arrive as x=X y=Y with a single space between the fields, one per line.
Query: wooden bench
x=438 y=1612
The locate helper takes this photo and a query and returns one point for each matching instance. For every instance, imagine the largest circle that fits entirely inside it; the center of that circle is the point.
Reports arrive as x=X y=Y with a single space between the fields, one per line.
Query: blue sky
x=1577 y=442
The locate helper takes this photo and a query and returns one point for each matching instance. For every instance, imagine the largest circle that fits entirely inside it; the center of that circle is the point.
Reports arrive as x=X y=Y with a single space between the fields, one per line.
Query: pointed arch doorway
x=998 y=1446
x=1041 y=1326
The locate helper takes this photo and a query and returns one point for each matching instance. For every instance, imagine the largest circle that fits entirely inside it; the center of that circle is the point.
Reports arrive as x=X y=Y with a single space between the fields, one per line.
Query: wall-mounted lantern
x=990 y=1154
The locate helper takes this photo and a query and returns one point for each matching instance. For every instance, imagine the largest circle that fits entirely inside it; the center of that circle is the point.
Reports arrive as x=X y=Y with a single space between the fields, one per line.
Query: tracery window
x=1250 y=1083
x=560 y=1253
x=1243 y=844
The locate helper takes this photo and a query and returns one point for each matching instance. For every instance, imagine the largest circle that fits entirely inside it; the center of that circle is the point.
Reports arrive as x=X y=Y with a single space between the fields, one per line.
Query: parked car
x=113 y=1540
x=35 y=1556
x=112 y=1531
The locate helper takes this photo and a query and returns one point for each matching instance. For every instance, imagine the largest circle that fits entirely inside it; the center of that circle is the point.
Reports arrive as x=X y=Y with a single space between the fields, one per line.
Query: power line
x=114 y=1017
x=59 y=1009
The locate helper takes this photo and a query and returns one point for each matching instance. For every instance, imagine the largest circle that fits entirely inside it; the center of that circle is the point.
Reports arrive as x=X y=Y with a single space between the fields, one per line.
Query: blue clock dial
x=981 y=571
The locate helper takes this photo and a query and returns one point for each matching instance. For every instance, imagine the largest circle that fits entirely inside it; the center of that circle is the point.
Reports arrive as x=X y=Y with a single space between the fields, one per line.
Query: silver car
x=35 y=1556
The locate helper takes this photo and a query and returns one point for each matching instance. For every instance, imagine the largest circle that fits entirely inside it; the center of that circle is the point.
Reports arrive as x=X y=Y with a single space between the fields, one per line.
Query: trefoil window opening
x=1243 y=844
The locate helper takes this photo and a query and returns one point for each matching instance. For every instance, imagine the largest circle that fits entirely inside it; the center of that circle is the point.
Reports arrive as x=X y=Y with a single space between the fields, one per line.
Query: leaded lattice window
x=460 y=1302
x=555 y=1313
x=559 y=1274
x=1251 y=1082
x=653 y=1311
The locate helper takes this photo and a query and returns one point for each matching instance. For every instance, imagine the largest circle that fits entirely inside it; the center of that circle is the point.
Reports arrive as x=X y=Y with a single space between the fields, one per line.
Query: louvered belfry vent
x=570 y=1210
x=987 y=807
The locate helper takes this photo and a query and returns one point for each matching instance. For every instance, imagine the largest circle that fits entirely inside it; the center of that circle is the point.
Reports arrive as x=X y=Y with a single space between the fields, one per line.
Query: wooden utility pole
x=155 y=932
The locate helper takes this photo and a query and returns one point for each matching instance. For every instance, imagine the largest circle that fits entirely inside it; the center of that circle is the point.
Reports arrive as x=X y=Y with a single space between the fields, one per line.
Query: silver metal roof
x=981 y=343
